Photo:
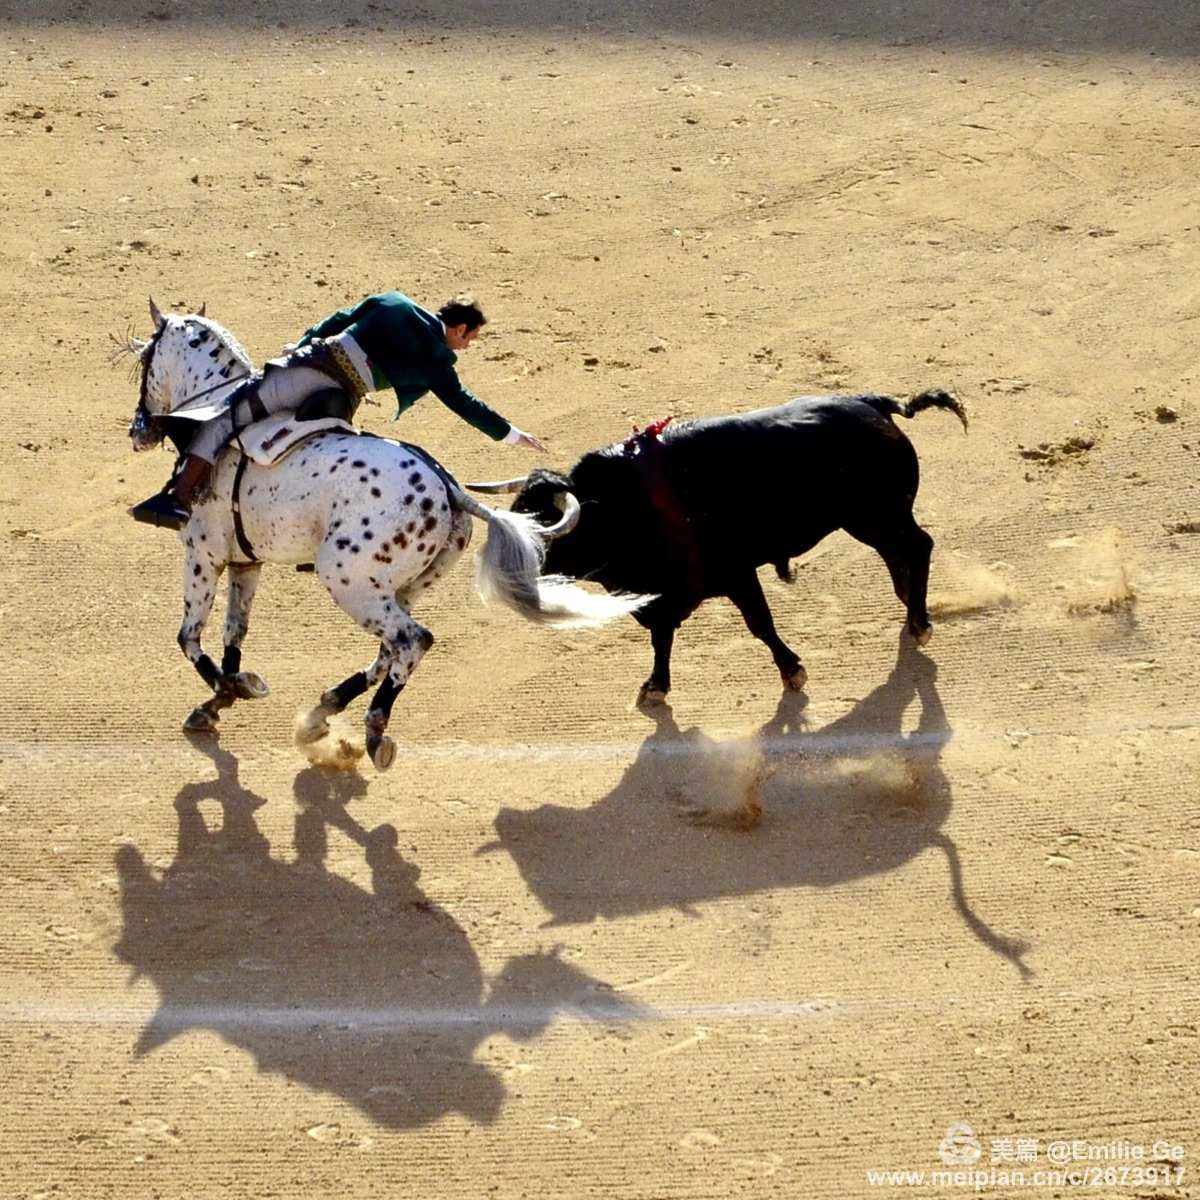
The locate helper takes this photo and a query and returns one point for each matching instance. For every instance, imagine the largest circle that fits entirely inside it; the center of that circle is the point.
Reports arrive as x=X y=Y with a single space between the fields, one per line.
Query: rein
x=216 y=387
x=148 y=353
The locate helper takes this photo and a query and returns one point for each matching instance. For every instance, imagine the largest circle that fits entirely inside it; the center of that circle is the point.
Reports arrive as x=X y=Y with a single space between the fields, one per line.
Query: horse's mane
x=143 y=349
x=227 y=340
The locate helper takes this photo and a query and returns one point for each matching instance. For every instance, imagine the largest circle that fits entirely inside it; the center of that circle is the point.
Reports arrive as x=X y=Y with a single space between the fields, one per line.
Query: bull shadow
x=371 y=993
x=855 y=798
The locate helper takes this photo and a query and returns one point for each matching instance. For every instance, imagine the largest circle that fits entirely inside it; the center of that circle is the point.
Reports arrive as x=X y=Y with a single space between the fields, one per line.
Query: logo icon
x=960 y=1147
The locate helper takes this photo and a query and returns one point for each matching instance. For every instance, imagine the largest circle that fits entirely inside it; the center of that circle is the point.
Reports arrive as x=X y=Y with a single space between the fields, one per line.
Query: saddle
x=269 y=442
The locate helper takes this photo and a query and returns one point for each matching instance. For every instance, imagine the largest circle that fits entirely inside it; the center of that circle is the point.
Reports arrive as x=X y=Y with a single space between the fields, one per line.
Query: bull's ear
x=203 y=306
x=155 y=315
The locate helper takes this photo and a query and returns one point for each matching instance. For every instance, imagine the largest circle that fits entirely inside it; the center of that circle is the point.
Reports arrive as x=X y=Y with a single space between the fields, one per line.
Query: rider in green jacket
x=385 y=341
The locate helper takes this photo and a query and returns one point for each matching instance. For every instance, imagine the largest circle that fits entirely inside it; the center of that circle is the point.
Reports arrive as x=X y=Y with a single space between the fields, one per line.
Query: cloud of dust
x=717 y=783
x=971 y=588
x=882 y=773
x=721 y=783
x=339 y=750
x=1097 y=573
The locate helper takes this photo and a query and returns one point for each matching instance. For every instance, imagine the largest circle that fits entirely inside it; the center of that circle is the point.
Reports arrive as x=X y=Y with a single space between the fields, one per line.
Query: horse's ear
x=155 y=315
x=203 y=306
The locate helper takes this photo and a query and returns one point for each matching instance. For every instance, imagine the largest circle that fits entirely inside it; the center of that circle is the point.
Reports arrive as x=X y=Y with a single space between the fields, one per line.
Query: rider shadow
x=370 y=994
x=856 y=798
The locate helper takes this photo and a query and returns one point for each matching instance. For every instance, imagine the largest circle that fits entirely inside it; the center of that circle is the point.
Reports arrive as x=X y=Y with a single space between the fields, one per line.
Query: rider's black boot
x=161 y=509
x=172 y=507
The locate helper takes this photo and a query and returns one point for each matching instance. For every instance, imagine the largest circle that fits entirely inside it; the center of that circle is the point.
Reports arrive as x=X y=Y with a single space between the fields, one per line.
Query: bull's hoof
x=201 y=720
x=796 y=680
x=920 y=635
x=382 y=751
x=246 y=685
x=650 y=694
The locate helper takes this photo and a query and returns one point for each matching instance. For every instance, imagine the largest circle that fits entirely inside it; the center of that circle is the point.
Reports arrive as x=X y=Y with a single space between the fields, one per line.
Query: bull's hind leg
x=906 y=549
x=748 y=596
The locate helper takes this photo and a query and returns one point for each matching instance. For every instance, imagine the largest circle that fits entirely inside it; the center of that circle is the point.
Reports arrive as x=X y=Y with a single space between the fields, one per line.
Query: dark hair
x=462 y=310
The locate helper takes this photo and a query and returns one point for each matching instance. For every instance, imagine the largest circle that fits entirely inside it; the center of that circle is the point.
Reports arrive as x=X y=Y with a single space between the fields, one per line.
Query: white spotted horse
x=379 y=520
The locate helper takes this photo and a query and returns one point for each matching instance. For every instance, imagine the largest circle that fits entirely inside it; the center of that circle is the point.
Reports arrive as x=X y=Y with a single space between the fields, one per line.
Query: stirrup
x=163 y=510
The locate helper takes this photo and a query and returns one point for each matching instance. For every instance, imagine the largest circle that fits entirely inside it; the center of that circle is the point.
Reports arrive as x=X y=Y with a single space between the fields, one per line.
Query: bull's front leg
x=200 y=575
x=662 y=617
x=655 y=689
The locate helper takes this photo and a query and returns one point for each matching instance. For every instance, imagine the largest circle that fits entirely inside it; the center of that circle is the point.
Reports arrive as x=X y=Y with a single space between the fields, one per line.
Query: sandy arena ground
x=512 y=967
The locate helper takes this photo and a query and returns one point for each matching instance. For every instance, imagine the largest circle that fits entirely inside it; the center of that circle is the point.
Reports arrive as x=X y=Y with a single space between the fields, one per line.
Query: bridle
x=146 y=421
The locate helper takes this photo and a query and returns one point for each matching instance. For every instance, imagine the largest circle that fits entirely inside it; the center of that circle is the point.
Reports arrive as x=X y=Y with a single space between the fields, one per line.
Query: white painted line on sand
x=499 y=1016
x=351 y=1018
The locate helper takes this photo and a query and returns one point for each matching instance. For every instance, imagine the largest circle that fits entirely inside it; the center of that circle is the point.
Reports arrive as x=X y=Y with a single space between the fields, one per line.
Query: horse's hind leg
x=243 y=582
x=315 y=724
x=403 y=644
x=409 y=643
x=457 y=541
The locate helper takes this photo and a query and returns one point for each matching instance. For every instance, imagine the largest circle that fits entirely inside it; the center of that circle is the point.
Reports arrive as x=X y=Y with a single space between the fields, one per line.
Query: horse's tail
x=508 y=570
x=934 y=398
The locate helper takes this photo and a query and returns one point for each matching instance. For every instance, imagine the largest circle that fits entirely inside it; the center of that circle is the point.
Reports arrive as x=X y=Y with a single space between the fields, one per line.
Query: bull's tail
x=508 y=571
x=935 y=398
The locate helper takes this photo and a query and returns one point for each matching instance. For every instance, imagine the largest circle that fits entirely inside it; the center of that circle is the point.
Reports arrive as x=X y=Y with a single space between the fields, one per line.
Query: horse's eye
x=195 y=342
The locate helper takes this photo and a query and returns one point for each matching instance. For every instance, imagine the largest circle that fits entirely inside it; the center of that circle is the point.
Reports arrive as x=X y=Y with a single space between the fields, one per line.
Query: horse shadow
x=857 y=797
x=369 y=993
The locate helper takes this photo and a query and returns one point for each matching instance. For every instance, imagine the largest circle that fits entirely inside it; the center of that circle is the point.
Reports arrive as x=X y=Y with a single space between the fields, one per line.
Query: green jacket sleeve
x=331 y=325
x=445 y=385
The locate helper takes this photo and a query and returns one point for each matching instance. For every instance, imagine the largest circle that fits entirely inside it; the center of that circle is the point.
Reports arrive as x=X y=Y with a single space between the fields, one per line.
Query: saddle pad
x=271 y=441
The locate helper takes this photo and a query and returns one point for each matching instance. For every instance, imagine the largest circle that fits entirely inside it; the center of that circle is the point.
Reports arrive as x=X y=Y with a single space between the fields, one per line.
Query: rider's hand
x=528 y=441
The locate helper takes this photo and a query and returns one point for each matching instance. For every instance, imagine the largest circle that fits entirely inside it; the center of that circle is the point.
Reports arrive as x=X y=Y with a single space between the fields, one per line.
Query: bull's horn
x=570 y=518
x=504 y=485
x=203 y=306
x=155 y=315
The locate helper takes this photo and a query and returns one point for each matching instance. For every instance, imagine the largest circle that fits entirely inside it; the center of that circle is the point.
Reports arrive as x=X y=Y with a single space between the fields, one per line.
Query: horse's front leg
x=243 y=581
x=200 y=575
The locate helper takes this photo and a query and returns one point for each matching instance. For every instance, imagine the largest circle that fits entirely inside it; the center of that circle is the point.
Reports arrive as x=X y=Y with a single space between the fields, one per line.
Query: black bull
x=691 y=513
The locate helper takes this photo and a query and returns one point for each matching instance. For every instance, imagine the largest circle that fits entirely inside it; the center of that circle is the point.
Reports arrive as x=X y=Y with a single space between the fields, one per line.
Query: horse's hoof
x=249 y=686
x=383 y=754
x=200 y=720
x=796 y=680
x=312 y=728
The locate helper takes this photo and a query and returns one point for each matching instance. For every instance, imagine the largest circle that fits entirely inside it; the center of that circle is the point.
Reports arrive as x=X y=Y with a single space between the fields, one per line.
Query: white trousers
x=283 y=389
